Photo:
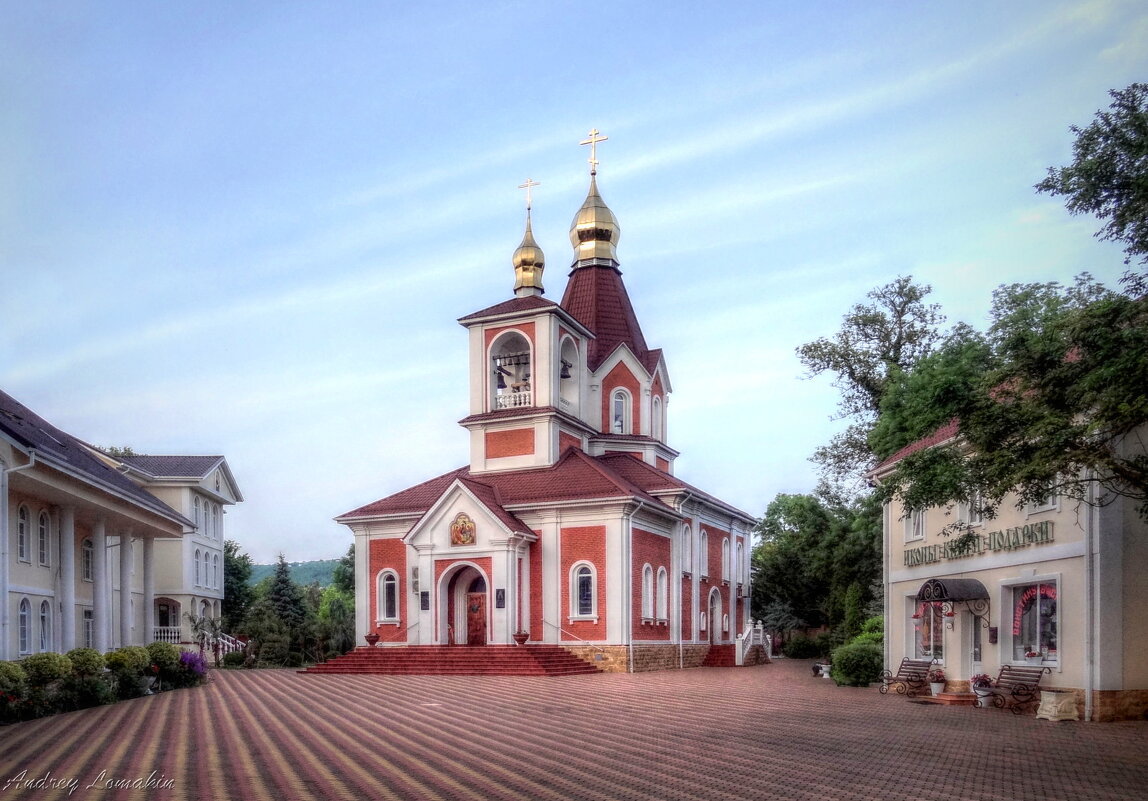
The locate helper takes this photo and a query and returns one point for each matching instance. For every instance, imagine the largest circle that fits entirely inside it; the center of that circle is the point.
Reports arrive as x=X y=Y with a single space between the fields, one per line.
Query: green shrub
x=857 y=664
x=826 y=641
x=294 y=659
x=45 y=668
x=164 y=656
x=873 y=625
x=13 y=679
x=874 y=637
x=86 y=661
x=234 y=659
x=800 y=647
x=273 y=652
x=130 y=660
x=81 y=692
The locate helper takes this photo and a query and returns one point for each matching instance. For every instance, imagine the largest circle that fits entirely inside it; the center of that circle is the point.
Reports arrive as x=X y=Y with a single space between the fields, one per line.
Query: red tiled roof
x=654 y=480
x=942 y=434
x=596 y=297
x=512 y=306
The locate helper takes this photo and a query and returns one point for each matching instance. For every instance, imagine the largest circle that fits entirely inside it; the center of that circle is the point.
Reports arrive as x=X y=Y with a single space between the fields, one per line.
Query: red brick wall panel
x=584 y=543
x=566 y=441
x=383 y=554
x=515 y=442
x=654 y=550
x=621 y=377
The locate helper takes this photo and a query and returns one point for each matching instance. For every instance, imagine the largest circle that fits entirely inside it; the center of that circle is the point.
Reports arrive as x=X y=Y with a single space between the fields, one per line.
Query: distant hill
x=302 y=573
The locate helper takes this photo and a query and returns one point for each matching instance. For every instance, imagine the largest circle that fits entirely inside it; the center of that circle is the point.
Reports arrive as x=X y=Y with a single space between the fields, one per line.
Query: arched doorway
x=467 y=607
x=715 y=616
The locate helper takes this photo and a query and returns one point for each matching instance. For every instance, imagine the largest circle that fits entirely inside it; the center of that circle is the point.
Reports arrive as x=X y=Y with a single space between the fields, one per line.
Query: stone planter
x=1034 y=660
x=936 y=687
x=1057 y=705
x=983 y=695
x=520 y=637
x=371 y=639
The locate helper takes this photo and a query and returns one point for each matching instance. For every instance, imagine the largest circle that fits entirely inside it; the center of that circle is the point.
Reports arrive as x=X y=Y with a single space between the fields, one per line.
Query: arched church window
x=44 y=541
x=388 y=595
x=23 y=523
x=25 y=626
x=663 y=595
x=704 y=554
x=648 y=592
x=656 y=421
x=583 y=600
x=195 y=511
x=45 y=626
x=687 y=550
x=620 y=412
x=725 y=559
x=739 y=567
x=198 y=579
x=511 y=372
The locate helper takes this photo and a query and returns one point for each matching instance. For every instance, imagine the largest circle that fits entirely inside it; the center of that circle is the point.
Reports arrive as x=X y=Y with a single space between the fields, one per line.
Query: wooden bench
x=1017 y=687
x=911 y=677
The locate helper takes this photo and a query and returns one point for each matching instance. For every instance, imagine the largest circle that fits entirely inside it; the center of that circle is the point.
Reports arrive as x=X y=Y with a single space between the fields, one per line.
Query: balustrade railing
x=515 y=400
x=754 y=634
x=171 y=634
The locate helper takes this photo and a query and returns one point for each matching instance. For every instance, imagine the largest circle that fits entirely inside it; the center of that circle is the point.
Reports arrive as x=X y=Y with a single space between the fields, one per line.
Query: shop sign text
x=1010 y=539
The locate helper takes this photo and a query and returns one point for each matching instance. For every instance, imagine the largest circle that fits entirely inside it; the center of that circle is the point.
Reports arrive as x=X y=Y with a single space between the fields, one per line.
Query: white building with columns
x=92 y=548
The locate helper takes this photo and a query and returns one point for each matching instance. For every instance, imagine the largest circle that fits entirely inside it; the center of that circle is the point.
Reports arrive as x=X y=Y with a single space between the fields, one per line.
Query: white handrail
x=753 y=635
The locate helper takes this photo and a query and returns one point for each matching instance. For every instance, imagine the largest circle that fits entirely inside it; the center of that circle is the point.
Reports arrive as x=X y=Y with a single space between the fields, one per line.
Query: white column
x=148 y=589
x=126 y=588
x=5 y=557
x=67 y=553
x=100 y=609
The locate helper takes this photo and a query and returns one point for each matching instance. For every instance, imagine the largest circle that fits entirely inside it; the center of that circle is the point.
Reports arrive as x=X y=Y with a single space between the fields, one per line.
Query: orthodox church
x=568 y=527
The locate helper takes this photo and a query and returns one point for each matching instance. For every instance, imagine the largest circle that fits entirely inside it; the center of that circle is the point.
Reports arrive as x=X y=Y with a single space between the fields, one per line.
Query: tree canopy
x=1108 y=177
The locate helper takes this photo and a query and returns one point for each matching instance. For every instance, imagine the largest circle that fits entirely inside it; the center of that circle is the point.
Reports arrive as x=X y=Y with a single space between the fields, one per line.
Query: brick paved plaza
x=780 y=733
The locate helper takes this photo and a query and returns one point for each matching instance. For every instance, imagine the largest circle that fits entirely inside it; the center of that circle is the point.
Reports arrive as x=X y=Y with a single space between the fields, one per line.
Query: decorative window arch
x=647 y=592
x=45 y=626
x=198 y=579
x=218 y=522
x=44 y=539
x=388 y=595
x=739 y=563
x=87 y=559
x=511 y=373
x=583 y=591
x=569 y=368
x=687 y=549
x=725 y=621
x=703 y=620
x=25 y=626
x=206 y=568
x=663 y=608
x=195 y=513
x=23 y=523
x=704 y=554
x=657 y=430
x=620 y=407
x=725 y=559
x=215 y=571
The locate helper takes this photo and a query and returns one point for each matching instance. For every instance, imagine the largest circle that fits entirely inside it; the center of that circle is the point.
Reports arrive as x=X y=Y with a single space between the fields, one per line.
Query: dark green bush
x=86 y=661
x=857 y=664
x=234 y=659
x=129 y=660
x=873 y=625
x=874 y=637
x=801 y=647
x=12 y=677
x=80 y=692
x=294 y=659
x=273 y=652
x=43 y=669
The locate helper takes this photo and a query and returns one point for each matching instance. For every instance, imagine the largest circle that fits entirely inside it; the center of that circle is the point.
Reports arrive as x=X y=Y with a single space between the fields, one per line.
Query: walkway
x=771 y=731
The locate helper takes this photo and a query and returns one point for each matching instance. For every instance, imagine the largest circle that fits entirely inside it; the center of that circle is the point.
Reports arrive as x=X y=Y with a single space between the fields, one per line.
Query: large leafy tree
x=1049 y=397
x=237 y=592
x=1108 y=177
x=876 y=341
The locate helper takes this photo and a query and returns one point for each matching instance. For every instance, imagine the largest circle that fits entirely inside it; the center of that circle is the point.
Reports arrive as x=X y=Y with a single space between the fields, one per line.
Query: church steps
x=501 y=660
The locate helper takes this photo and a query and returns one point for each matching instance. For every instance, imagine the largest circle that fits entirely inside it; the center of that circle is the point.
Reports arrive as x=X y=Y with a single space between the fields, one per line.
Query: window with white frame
x=725 y=621
x=738 y=566
x=195 y=513
x=704 y=554
x=388 y=599
x=583 y=594
x=87 y=560
x=89 y=626
x=725 y=559
x=218 y=522
x=647 y=592
x=663 y=608
x=25 y=626
x=1045 y=503
x=206 y=568
x=198 y=579
x=687 y=550
x=23 y=524
x=656 y=425
x=1033 y=607
x=511 y=372
x=45 y=626
x=620 y=412
x=928 y=630
x=215 y=571
x=970 y=510
x=703 y=621
x=44 y=539
x=915 y=525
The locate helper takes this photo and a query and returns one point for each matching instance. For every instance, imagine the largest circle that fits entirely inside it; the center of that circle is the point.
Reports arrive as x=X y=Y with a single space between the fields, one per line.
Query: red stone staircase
x=459 y=660
x=720 y=656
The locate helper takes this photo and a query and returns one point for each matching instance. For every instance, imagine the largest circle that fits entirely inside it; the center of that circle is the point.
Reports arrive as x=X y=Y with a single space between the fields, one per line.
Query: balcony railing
x=514 y=400
x=171 y=634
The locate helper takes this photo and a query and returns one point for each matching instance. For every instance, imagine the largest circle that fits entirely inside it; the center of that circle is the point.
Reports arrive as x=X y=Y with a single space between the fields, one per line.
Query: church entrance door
x=476 y=618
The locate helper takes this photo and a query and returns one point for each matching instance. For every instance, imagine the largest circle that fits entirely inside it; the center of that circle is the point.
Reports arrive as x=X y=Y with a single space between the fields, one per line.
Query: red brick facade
x=515 y=442
x=653 y=550
x=568 y=441
x=584 y=544
x=621 y=378
x=386 y=554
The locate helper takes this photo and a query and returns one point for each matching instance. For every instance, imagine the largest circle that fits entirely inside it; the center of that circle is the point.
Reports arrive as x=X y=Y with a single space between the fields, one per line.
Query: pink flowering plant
x=981 y=680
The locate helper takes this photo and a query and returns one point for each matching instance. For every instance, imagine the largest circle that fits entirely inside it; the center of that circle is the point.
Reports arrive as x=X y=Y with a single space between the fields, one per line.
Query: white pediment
x=459 y=522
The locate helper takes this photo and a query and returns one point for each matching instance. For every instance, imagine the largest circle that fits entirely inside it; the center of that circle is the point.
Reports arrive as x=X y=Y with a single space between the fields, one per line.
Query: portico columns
x=126 y=587
x=67 y=578
x=100 y=586
x=148 y=590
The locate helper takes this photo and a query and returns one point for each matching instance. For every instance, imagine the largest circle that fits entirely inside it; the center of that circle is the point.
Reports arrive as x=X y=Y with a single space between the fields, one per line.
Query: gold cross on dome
x=527 y=186
x=593 y=143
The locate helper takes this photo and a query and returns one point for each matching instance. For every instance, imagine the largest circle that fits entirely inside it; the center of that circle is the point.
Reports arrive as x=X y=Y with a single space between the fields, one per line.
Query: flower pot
x=983 y=695
x=371 y=639
x=1034 y=660
x=936 y=687
x=520 y=637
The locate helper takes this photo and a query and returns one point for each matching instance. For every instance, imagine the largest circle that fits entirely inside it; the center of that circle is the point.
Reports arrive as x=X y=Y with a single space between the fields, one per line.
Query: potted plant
x=520 y=637
x=982 y=684
x=371 y=638
x=936 y=679
x=1033 y=657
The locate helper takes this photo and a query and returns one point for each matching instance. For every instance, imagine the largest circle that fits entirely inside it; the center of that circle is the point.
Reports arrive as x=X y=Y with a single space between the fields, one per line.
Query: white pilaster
x=67 y=551
x=100 y=622
x=148 y=590
x=126 y=588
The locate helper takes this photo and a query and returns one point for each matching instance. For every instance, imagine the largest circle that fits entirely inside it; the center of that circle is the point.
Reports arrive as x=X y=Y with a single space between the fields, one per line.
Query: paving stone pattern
x=765 y=732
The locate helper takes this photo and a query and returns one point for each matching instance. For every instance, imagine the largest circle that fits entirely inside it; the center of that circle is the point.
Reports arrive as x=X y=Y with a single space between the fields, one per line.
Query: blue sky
x=249 y=228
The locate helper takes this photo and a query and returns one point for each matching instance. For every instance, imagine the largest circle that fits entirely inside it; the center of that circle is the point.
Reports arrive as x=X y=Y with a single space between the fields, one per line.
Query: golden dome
x=594 y=232
x=529 y=262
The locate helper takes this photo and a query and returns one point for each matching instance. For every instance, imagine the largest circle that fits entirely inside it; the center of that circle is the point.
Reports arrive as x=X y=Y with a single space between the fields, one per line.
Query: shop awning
x=952 y=590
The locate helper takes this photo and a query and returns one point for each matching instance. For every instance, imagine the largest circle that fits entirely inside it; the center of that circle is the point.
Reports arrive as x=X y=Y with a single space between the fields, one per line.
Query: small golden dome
x=529 y=262
x=595 y=231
